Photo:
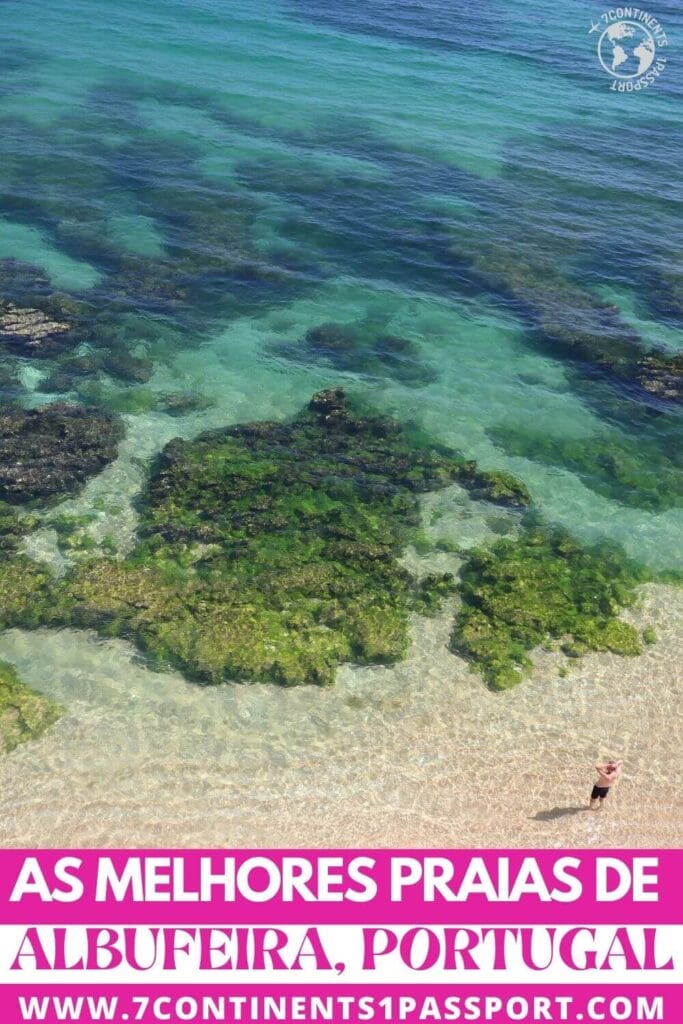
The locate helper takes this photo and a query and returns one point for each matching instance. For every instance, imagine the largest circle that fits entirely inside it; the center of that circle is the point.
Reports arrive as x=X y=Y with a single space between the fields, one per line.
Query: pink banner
x=258 y=1004
x=166 y=887
x=341 y=935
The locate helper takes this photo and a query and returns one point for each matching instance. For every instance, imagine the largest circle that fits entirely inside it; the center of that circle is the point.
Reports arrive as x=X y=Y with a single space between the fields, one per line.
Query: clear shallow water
x=216 y=180
x=386 y=757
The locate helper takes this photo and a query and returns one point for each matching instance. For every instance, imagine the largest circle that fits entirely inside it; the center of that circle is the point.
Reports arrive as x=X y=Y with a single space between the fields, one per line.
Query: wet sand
x=421 y=754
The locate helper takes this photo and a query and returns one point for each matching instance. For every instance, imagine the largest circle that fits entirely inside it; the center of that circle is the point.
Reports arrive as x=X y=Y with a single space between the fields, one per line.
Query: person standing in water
x=608 y=775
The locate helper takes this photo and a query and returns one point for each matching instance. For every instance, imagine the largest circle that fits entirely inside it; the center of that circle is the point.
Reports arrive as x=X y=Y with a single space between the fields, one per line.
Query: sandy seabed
x=421 y=754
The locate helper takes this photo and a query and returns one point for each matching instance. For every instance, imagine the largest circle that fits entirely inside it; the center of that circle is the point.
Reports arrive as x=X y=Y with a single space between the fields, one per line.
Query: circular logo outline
x=619 y=74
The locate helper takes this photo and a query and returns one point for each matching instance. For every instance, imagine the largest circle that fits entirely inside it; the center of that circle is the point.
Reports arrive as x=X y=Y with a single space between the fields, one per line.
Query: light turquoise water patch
x=174 y=119
x=222 y=178
x=238 y=147
x=35 y=98
x=136 y=233
x=631 y=307
x=293 y=163
x=29 y=245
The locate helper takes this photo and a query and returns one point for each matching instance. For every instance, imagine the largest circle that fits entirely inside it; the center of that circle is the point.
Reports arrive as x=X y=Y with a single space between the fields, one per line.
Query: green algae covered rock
x=495 y=485
x=25 y=587
x=270 y=551
x=13 y=528
x=24 y=714
x=26 y=593
x=544 y=584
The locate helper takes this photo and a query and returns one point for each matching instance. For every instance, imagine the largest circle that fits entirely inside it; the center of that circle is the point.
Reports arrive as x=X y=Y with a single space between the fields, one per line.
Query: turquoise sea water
x=213 y=180
x=216 y=179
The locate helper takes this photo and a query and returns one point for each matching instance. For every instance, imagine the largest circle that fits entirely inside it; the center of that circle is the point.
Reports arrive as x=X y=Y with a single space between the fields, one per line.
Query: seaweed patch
x=270 y=551
x=634 y=472
x=541 y=587
x=24 y=714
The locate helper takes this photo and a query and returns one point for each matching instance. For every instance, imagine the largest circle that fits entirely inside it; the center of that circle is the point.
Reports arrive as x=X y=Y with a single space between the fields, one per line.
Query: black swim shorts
x=599 y=791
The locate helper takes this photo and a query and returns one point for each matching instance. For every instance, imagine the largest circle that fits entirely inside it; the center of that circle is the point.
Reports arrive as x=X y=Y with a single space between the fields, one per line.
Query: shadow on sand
x=558 y=812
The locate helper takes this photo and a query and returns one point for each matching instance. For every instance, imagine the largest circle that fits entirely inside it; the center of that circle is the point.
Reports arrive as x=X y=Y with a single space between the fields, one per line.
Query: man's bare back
x=608 y=775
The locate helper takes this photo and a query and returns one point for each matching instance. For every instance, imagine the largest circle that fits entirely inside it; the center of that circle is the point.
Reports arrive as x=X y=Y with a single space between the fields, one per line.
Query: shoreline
x=388 y=756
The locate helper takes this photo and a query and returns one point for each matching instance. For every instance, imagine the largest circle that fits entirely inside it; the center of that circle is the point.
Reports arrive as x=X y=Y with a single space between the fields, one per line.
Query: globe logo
x=626 y=49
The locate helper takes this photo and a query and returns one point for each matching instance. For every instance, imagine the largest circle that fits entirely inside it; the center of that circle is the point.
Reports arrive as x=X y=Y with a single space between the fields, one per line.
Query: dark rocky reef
x=81 y=374
x=663 y=290
x=51 y=451
x=126 y=366
x=10 y=386
x=569 y=319
x=541 y=587
x=24 y=284
x=661 y=373
x=362 y=348
x=69 y=373
x=32 y=332
x=210 y=262
x=53 y=325
x=182 y=403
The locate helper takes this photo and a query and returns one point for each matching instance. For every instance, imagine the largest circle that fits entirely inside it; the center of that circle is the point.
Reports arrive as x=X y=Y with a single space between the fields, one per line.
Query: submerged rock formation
x=362 y=348
x=31 y=332
x=661 y=373
x=24 y=714
x=494 y=485
x=270 y=551
x=633 y=471
x=664 y=289
x=540 y=587
x=53 y=450
x=576 y=323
